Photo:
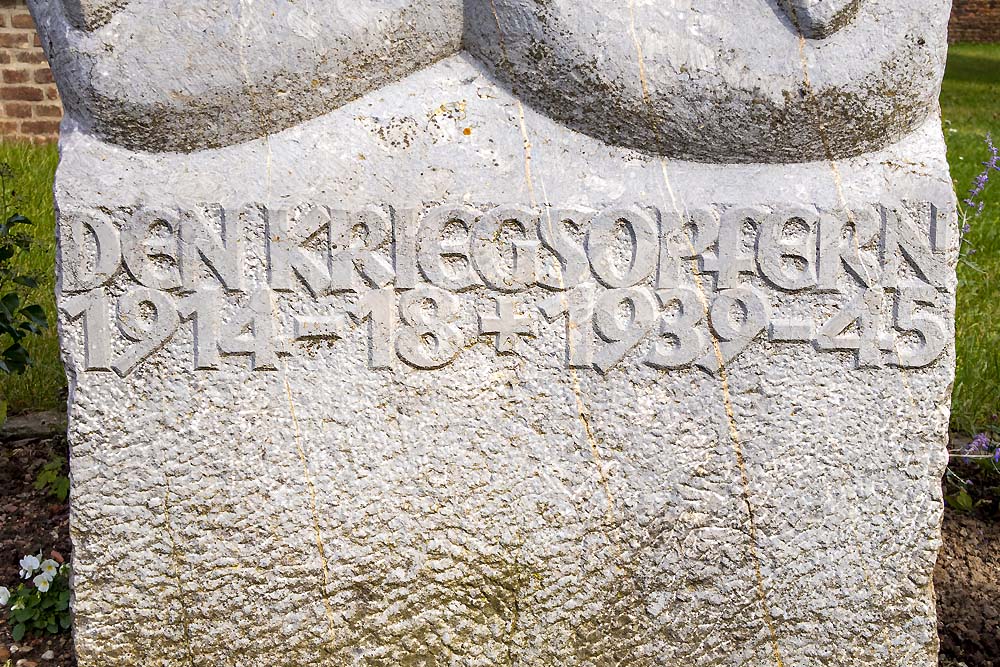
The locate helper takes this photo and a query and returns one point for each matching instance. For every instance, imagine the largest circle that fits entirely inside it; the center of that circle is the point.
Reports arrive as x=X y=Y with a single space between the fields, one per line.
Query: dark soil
x=967 y=581
x=967 y=578
x=30 y=522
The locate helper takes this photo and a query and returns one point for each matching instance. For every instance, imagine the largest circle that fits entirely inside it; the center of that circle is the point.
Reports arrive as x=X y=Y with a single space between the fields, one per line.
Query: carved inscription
x=627 y=284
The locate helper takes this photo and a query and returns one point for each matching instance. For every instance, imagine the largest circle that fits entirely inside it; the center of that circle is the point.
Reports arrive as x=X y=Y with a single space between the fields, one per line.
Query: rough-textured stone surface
x=503 y=508
x=673 y=77
x=318 y=420
x=91 y=14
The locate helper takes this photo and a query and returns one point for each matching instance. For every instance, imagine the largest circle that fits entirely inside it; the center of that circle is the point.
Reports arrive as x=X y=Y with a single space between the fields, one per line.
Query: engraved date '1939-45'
x=423 y=282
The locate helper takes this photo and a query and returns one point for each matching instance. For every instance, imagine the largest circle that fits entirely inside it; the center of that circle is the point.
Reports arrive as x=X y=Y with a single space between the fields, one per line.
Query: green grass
x=971 y=104
x=970 y=101
x=42 y=386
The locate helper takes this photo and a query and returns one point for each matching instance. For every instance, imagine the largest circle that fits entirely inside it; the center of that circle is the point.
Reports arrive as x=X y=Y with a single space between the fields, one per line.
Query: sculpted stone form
x=179 y=75
x=91 y=14
x=436 y=378
x=680 y=79
x=820 y=18
x=813 y=79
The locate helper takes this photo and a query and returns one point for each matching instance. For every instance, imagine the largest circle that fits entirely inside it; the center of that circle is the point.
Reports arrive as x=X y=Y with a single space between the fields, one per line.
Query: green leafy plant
x=53 y=480
x=42 y=605
x=18 y=317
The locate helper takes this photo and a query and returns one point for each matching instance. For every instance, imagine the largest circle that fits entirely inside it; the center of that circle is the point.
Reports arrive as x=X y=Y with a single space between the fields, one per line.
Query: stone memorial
x=504 y=332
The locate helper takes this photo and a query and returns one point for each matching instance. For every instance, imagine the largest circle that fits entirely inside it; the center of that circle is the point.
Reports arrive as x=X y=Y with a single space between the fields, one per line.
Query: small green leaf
x=17 y=634
x=16 y=358
x=961 y=501
x=22 y=615
x=11 y=302
x=36 y=314
x=65 y=620
x=29 y=327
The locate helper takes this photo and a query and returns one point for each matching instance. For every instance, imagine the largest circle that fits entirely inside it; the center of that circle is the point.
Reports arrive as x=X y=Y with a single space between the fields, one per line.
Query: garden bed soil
x=30 y=522
x=967 y=582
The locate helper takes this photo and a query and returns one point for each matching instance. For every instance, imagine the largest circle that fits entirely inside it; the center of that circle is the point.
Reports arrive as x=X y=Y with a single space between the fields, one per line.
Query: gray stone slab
x=434 y=378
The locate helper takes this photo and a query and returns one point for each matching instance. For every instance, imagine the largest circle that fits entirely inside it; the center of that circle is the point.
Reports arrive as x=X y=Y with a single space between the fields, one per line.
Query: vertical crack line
x=175 y=565
x=734 y=435
x=576 y=386
x=252 y=97
x=314 y=506
x=527 y=153
x=838 y=181
x=842 y=201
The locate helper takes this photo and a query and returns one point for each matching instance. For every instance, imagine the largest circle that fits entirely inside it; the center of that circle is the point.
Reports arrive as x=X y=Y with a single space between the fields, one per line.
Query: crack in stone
x=577 y=388
x=251 y=95
x=842 y=200
x=175 y=557
x=723 y=373
x=581 y=407
x=313 y=506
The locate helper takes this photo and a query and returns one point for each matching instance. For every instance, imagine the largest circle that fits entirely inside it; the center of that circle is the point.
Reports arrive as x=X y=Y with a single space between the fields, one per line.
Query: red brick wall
x=975 y=21
x=28 y=98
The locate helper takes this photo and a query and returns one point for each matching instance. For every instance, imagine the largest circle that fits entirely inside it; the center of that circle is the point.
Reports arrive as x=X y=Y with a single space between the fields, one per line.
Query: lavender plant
x=972 y=480
x=974 y=201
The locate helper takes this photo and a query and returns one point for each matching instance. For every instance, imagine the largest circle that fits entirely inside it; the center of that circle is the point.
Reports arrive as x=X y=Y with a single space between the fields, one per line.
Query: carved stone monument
x=481 y=332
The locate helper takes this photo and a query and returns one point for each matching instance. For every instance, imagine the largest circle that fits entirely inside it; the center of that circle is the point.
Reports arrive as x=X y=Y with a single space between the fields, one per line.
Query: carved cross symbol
x=507 y=326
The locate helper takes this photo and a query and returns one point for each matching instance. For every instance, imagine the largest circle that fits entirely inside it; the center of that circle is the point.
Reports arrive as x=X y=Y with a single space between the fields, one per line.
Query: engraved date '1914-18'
x=699 y=287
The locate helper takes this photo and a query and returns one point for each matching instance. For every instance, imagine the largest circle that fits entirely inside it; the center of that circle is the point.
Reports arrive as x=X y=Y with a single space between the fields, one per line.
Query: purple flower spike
x=989 y=166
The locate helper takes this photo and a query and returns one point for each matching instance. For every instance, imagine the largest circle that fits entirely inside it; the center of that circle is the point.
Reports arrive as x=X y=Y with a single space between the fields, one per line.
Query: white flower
x=28 y=566
x=42 y=582
x=50 y=567
x=4 y=596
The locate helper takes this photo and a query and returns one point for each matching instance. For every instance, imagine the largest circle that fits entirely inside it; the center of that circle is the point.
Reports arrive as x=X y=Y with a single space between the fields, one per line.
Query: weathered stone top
x=727 y=81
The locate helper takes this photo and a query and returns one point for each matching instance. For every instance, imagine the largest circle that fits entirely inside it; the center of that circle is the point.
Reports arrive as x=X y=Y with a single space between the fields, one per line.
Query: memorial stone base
x=433 y=380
